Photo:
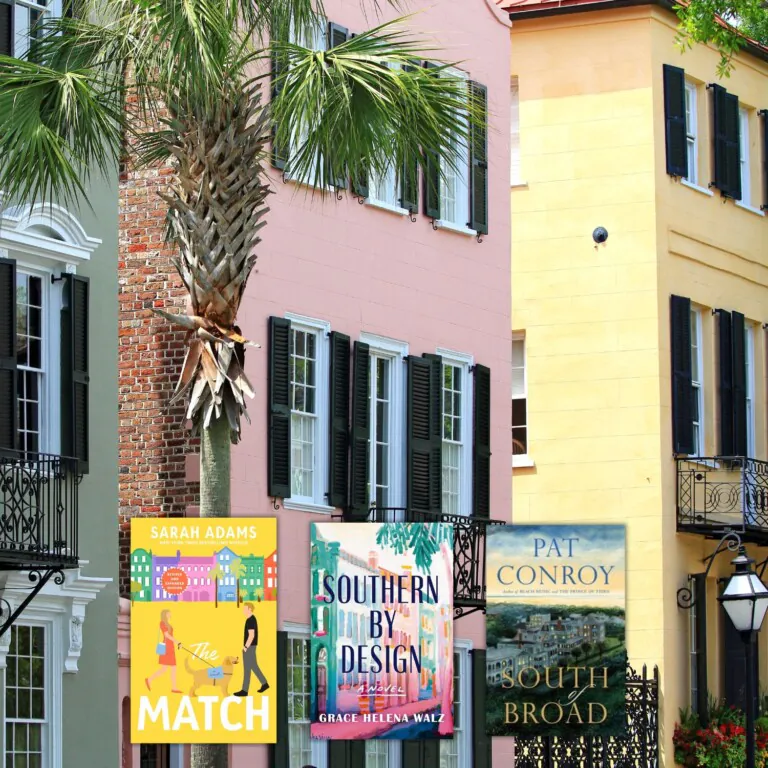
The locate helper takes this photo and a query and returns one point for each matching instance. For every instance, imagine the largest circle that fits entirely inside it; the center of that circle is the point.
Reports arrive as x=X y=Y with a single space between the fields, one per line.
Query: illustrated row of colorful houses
x=222 y=576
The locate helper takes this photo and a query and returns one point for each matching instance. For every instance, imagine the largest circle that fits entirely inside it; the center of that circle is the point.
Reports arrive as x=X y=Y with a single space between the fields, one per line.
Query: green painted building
x=252 y=582
x=141 y=575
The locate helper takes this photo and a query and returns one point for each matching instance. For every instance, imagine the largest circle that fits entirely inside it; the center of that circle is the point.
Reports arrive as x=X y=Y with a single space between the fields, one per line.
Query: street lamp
x=745 y=600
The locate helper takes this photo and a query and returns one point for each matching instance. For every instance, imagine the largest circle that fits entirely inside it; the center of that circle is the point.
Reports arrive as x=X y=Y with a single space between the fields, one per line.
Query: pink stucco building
x=349 y=296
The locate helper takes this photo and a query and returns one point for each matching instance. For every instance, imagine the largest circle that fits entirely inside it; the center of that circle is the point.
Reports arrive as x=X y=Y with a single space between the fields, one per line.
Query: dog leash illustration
x=192 y=653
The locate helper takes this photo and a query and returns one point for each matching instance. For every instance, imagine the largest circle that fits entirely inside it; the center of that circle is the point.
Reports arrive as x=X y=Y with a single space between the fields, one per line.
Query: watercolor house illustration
x=141 y=575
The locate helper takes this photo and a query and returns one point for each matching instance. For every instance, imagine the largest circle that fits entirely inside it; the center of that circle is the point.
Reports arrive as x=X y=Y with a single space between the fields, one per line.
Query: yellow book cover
x=203 y=630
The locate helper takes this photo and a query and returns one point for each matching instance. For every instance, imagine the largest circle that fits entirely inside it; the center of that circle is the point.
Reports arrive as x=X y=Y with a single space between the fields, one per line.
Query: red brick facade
x=153 y=438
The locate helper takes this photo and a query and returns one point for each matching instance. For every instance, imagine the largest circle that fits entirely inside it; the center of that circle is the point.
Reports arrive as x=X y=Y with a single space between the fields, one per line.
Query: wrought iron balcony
x=723 y=492
x=38 y=511
x=469 y=535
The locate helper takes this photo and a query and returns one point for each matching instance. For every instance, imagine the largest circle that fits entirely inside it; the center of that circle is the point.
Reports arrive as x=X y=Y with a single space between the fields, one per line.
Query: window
x=26 y=699
x=749 y=362
x=155 y=756
x=21 y=19
x=519 y=398
x=457 y=405
x=381 y=392
x=697 y=401
x=746 y=197
x=382 y=754
x=456 y=753
x=309 y=410
x=302 y=749
x=454 y=180
x=515 y=171
x=691 y=132
x=29 y=360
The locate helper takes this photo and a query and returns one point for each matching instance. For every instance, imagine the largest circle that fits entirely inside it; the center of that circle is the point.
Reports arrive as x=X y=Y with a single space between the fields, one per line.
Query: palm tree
x=216 y=573
x=99 y=79
x=238 y=570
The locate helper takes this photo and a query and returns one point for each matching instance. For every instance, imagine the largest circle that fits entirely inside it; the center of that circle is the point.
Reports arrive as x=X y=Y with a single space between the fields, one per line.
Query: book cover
x=203 y=630
x=555 y=630
x=381 y=631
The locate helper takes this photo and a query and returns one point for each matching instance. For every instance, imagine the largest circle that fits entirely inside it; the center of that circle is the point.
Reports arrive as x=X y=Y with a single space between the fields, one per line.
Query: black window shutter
x=346 y=754
x=726 y=142
x=280 y=751
x=430 y=751
x=725 y=353
x=338 y=482
x=424 y=469
x=409 y=185
x=481 y=444
x=674 y=118
x=480 y=741
x=682 y=389
x=478 y=159
x=734 y=660
x=739 y=385
x=6 y=27
x=8 y=394
x=700 y=628
x=412 y=753
x=279 y=417
x=764 y=113
x=74 y=370
x=360 y=185
x=431 y=177
x=336 y=35
x=359 y=501
x=279 y=69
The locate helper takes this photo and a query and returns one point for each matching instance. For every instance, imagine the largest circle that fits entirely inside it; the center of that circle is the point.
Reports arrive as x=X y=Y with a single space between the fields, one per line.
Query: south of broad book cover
x=555 y=630
x=381 y=631
x=203 y=630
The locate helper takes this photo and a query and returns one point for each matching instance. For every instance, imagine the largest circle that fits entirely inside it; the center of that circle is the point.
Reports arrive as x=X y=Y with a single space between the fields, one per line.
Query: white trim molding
x=63 y=606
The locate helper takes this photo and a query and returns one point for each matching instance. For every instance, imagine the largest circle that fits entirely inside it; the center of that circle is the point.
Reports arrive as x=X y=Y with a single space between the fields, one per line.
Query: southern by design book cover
x=555 y=630
x=382 y=633
x=203 y=630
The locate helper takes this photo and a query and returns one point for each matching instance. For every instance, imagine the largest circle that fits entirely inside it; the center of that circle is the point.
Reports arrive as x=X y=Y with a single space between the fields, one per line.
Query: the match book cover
x=203 y=630
x=381 y=631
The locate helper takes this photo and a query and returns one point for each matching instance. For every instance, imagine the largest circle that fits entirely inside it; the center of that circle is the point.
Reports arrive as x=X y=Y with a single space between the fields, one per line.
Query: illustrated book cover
x=381 y=631
x=555 y=630
x=203 y=630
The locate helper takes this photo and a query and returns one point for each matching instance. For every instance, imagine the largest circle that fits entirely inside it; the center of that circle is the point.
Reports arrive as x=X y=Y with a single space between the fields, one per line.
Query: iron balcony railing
x=723 y=492
x=469 y=536
x=38 y=511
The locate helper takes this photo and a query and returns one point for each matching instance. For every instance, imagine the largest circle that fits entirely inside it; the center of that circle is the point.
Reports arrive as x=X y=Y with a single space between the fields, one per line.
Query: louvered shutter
x=336 y=36
x=338 y=482
x=424 y=470
x=734 y=664
x=409 y=185
x=725 y=354
x=674 y=117
x=726 y=142
x=346 y=754
x=279 y=69
x=481 y=443
x=280 y=755
x=699 y=589
x=764 y=113
x=6 y=27
x=74 y=370
x=739 y=385
x=411 y=753
x=360 y=185
x=8 y=394
x=431 y=176
x=279 y=403
x=481 y=743
x=478 y=159
x=359 y=500
x=682 y=389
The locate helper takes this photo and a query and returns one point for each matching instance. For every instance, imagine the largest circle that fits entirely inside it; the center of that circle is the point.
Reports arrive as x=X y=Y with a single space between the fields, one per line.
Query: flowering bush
x=722 y=744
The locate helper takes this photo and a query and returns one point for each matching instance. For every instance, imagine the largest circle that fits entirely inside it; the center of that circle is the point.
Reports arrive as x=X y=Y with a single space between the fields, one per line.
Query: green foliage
x=423 y=539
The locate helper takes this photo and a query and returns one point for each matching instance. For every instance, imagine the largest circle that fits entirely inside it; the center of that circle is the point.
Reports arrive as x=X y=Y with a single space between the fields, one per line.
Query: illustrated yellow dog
x=200 y=677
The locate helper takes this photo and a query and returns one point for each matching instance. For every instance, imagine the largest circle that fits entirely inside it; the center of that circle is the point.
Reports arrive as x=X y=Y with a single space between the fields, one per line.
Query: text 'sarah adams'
x=555 y=630
x=203 y=631
x=381 y=631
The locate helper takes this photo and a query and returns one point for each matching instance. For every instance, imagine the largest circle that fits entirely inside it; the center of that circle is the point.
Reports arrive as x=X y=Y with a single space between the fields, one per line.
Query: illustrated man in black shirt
x=250 y=641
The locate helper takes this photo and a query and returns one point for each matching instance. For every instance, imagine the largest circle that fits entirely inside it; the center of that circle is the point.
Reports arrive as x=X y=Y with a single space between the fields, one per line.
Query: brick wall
x=153 y=439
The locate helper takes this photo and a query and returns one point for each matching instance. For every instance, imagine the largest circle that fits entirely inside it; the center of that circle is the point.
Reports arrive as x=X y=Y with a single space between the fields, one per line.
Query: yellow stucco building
x=614 y=127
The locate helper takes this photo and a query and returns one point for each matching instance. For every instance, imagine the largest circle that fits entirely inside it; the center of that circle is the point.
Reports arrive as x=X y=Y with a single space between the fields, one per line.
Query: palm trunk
x=215 y=451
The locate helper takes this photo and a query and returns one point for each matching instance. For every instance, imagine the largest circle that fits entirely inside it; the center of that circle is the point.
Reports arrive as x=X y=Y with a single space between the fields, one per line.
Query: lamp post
x=745 y=600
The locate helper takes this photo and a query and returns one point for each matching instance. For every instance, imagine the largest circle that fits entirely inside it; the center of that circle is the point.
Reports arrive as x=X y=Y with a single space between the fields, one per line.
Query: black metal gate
x=638 y=749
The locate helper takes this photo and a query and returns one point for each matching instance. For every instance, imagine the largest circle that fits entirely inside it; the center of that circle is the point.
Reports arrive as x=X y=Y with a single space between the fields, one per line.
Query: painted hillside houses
x=381 y=385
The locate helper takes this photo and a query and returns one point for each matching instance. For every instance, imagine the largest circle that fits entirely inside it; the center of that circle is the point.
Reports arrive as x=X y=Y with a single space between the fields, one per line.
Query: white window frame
x=744 y=170
x=465 y=362
x=396 y=352
x=749 y=358
x=691 y=131
x=319 y=748
x=318 y=501
x=698 y=386
x=523 y=459
x=20 y=10
x=463 y=649
x=460 y=222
